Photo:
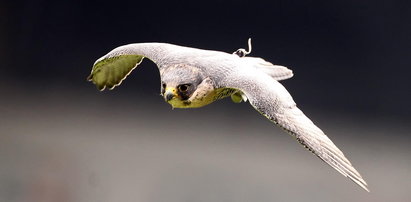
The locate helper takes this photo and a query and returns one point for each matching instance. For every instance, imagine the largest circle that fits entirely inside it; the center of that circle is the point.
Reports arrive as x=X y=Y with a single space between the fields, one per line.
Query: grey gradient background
x=62 y=140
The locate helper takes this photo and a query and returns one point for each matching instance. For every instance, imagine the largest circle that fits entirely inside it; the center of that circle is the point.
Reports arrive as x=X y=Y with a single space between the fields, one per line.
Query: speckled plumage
x=217 y=75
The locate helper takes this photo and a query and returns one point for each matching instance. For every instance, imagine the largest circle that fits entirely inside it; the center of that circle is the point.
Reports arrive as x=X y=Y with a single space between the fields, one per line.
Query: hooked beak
x=170 y=93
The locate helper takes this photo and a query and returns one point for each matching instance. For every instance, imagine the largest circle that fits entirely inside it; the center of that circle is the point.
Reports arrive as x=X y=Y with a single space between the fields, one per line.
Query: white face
x=178 y=84
x=174 y=97
x=190 y=95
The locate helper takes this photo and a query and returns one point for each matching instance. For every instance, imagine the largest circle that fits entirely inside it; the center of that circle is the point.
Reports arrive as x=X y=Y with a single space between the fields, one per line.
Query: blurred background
x=62 y=140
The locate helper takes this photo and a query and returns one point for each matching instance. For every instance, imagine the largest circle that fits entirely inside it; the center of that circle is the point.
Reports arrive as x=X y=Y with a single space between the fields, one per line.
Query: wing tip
x=90 y=78
x=99 y=87
x=360 y=182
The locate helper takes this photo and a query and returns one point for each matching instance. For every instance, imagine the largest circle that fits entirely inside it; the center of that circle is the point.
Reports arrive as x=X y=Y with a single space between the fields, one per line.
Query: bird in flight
x=192 y=78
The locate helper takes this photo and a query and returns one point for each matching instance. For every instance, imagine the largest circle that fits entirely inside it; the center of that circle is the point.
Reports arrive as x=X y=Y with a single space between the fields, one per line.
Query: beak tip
x=168 y=96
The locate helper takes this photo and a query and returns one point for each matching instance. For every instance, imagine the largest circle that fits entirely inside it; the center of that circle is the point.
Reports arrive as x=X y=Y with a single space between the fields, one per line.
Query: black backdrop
x=354 y=54
x=62 y=140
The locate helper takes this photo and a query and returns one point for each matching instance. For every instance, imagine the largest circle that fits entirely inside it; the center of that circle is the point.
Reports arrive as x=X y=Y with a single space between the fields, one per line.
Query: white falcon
x=192 y=77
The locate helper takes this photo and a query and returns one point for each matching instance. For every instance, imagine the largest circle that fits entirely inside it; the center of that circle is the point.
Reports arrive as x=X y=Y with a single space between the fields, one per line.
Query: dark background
x=62 y=140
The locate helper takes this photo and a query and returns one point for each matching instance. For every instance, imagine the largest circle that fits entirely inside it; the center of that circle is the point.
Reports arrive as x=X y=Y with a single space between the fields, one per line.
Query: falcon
x=192 y=78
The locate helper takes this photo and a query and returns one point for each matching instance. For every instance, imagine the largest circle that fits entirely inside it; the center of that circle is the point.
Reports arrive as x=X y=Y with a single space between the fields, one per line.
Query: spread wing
x=111 y=69
x=273 y=101
x=111 y=72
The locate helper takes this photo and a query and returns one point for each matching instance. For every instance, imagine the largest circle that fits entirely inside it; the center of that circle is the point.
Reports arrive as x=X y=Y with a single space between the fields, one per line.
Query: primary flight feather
x=192 y=77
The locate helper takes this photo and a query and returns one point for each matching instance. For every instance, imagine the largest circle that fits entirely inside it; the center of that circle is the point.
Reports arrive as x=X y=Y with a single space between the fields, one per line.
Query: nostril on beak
x=168 y=96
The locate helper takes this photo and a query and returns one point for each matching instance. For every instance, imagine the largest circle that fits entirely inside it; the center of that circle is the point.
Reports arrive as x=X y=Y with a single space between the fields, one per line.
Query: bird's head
x=179 y=83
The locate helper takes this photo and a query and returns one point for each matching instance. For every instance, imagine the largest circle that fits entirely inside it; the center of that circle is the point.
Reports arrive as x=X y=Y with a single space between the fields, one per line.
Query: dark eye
x=163 y=89
x=183 y=88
